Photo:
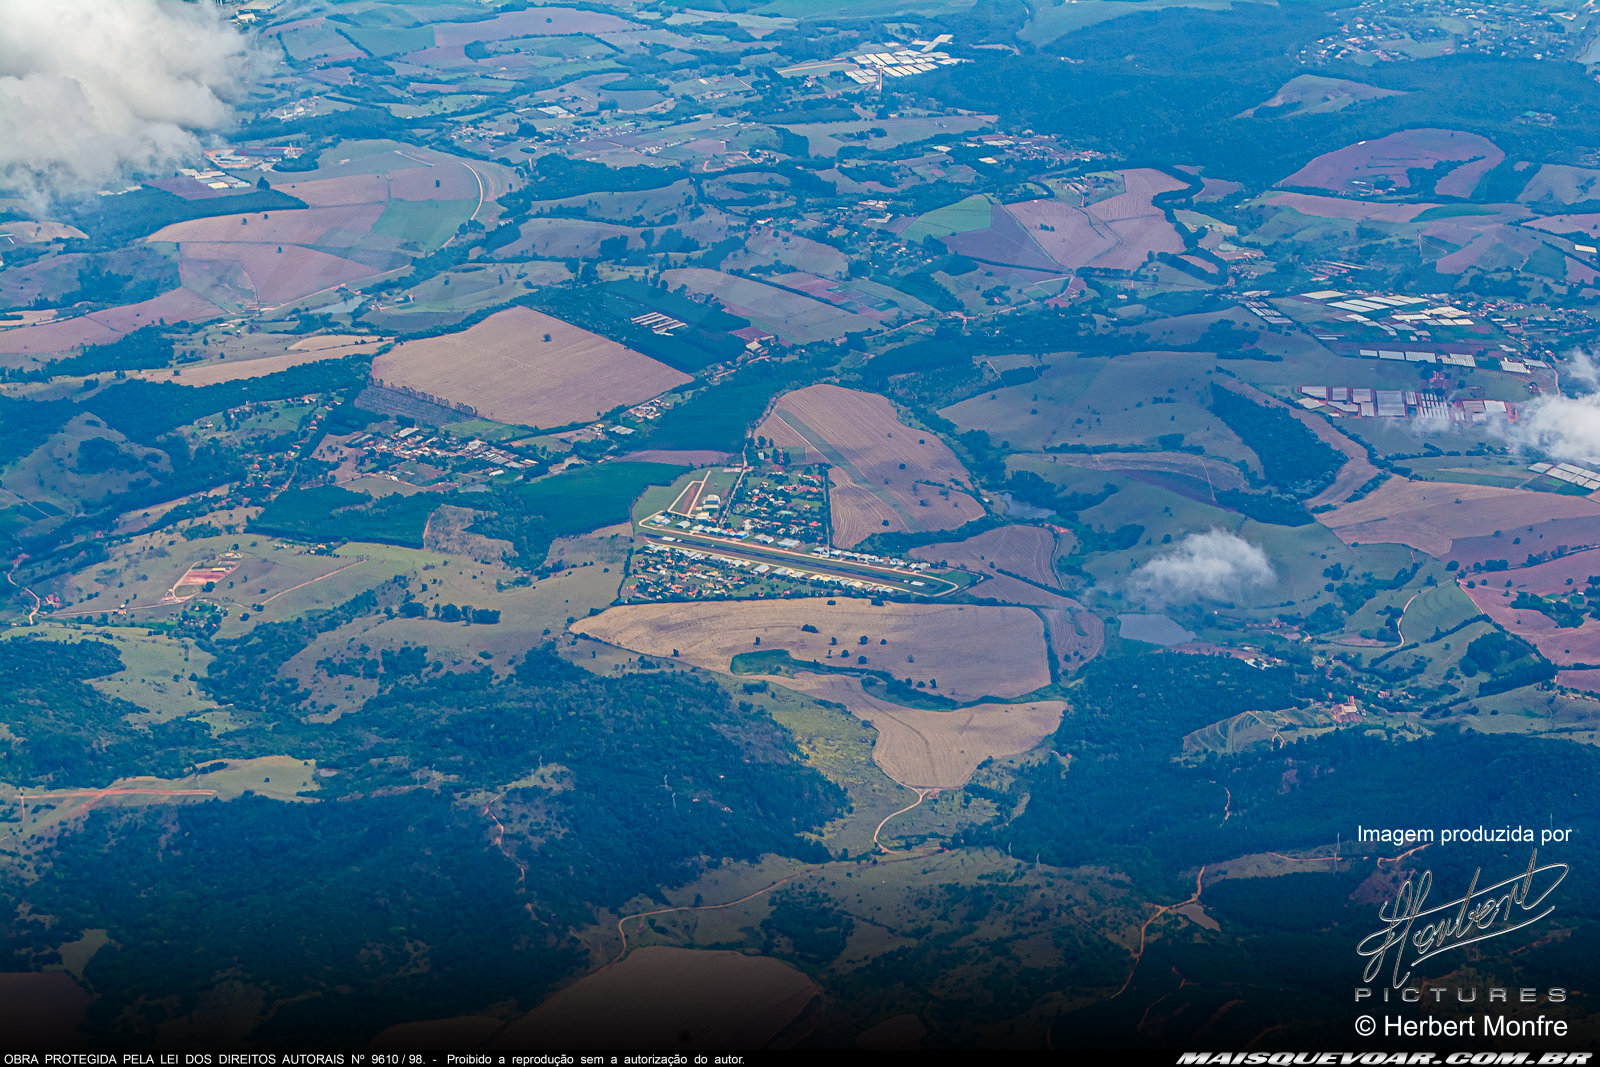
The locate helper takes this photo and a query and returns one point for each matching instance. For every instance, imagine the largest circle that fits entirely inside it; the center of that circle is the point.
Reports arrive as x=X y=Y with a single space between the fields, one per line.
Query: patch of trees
x=329 y=513
x=1510 y=662
x=555 y=177
x=146 y=410
x=1292 y=457
x=69 y=733
x=113 y=221
x=1266 y=507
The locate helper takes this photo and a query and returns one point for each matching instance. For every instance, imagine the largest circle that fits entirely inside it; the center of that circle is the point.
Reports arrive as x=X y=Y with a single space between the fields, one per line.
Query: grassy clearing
x=529 y=614
x=426 y=224
x=593 y=496
x=156 y=676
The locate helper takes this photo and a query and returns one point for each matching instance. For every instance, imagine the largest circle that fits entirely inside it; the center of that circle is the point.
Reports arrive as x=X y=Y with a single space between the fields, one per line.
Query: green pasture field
x=470 y=291
x=329 y=513
x=50 y=472
x=428 y=224
x=840 y=746
x=1437 y=609
x=1119 y=392
x=595 y=495
x=973 y=213
x=156 y=668
x=530 y=614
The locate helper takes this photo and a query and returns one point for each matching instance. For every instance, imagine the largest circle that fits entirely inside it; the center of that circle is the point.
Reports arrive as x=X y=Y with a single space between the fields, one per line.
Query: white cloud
x=91 y=90
x=1214 y=565
x=1565 y=427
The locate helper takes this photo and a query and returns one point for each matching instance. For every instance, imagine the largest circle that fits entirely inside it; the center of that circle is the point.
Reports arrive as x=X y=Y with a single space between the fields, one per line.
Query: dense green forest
x=658 y=772
x=74 y=734
x=1285 y=949
x=1167 y=85
x=1293 y=458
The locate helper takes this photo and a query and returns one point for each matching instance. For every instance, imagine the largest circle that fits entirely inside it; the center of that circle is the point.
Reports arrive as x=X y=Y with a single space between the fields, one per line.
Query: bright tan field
x=1430 y=515
x=926 y=749
x=505 y=369
x=889 y=478
x=662 y=997
x=235 y=370
x=971 y=651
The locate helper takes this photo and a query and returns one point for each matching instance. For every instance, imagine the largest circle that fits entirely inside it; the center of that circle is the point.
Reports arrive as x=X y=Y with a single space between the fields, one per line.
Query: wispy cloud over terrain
x=1214 y=565
x=93 y=89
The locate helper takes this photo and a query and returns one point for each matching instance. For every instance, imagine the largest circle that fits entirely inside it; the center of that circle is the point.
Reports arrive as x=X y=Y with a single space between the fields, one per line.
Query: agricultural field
x=1027 y=551
x=1432 y=517
x=791 y=316
x=1367 y=166
x=526 y=368
x=971 y=652
x=1562 y=185
x=1056 y=234
x=1311 y=94
x=880 y=482
x=58 y=335
x=935 y=749
x=1132 y=400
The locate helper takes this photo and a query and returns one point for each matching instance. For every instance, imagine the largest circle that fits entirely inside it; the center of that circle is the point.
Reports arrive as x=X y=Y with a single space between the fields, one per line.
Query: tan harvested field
x=1026 y=550
x=858 y=512
x=1583 y=681
x=1430 y=515
x=235 y=370
x=664 y=997
x=303 y=227
x=992 y=585
x=103 y=327
x=1563 y=184
x=457 y=181
x=50 y=337
x=567 y=237
x=175 y=305
x=505 y=369
x=1116 y=232
x=896 y=475
x=338 y=192
x=1562 y=647
x=689 y=458
x=1331 y=207
x=926 y=749
x=328 y=341
x=795 y=318
x=1565 y=575
x=1589 y=224
x=270 y=277
x=971 y=651
x=1318 y=94
x=1076 y=635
